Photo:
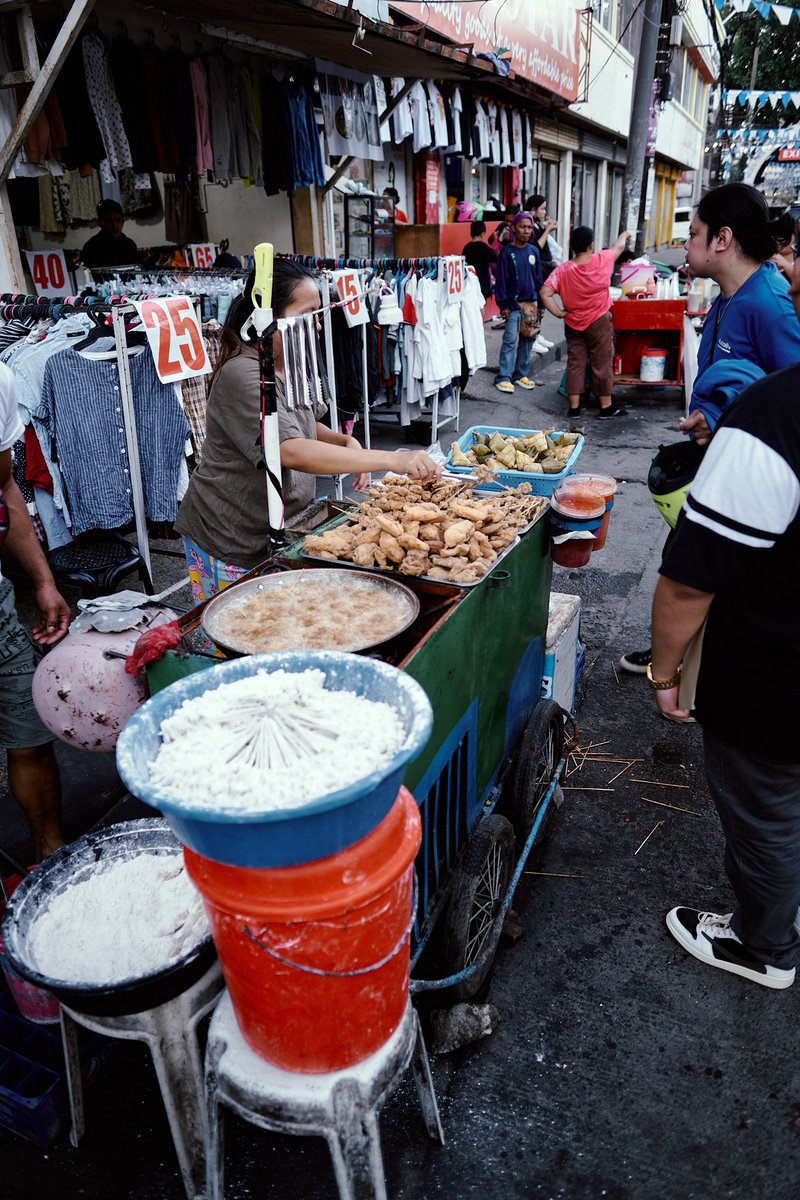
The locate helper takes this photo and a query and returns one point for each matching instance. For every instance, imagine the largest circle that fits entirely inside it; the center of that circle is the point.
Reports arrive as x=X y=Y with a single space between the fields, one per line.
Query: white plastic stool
x=341 y=1106
x=170 y=1032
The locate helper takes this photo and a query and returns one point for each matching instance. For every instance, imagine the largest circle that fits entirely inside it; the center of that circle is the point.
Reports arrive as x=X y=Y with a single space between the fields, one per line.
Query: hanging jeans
x=515 y=352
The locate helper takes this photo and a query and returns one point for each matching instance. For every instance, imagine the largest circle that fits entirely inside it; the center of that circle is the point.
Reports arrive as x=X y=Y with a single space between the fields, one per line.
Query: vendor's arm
x=23 y=544
x=334 y=438
x=546 y=297
x=326 y=457
x=621 y=243
x=678 y=614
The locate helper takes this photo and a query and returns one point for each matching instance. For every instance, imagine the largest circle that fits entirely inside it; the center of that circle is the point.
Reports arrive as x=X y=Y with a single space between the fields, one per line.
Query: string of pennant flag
x=756 y=99
x=783 y=12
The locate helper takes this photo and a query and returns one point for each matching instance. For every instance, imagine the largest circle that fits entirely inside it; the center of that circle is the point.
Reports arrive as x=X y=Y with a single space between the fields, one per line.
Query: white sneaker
x=541 y=344
x=545 y=342
x=537 y=349
x=709 y=937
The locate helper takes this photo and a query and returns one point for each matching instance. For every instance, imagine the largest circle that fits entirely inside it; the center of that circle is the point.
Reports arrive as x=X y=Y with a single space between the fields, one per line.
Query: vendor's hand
x=668 y=706
x=417 y=464
x=53 y=614
x=362 y=482
x=697 y=424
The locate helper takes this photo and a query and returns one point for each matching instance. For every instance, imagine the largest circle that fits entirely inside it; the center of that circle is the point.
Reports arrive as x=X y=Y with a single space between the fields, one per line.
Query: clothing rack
x=13 y=305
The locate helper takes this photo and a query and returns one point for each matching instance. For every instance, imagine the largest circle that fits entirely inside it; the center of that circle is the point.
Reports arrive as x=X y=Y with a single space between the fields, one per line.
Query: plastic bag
x=555 y=249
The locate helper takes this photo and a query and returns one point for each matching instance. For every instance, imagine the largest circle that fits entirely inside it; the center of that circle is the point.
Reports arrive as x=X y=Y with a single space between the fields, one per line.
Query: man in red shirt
x=583 y=288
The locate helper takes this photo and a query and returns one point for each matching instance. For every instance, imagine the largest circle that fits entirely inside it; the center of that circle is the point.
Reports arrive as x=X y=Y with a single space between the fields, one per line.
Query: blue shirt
x=81 y=411
x=757 y=323
x=518 y=276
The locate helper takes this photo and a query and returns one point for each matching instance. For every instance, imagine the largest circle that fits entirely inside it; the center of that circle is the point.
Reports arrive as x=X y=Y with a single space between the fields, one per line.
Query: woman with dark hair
x=731 y=240
x=223 y=517
x=542 y=228
x=783 y=228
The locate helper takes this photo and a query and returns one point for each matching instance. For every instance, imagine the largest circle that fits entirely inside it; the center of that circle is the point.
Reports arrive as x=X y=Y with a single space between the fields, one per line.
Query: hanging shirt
x=202 y=127
x=221 y=134
x=418 y=99
x=456 y=109
x=437 y=116
x=472 y=330
x=106 y=107
x=482 y=131
x=402 y=120
x=505 y=139
x=517 y=142
x=81 y=411
x=495 y=149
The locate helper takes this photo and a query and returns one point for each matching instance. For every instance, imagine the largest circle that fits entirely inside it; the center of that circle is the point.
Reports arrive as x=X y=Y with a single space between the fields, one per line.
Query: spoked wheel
x=539 y=753
x=480 y=882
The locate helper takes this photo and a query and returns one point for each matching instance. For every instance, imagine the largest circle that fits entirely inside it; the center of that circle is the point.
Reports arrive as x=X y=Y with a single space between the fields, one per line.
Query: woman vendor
x=223 y=517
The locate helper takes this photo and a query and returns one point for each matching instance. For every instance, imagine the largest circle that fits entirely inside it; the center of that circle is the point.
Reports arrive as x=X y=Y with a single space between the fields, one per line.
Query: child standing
x=583 y=287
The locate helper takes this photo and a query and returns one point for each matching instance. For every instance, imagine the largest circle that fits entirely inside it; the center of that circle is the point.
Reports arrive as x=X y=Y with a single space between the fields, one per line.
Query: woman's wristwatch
x=663 y=685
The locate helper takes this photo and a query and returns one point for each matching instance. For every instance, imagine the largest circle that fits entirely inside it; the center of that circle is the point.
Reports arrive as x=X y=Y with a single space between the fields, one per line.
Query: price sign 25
x=455 y=278
x=174 y=337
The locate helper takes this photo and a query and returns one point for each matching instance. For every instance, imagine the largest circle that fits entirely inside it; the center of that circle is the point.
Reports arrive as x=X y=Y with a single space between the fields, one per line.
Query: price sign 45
x=174 y=338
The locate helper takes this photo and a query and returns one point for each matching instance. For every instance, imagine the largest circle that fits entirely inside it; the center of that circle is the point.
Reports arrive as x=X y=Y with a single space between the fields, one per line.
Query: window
x=630 y=24
x=603 y=11
x=689 y=75
x=700 y=102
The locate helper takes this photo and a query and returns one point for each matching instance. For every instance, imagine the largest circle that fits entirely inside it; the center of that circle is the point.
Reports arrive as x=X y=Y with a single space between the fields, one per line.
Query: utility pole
x=635 y=186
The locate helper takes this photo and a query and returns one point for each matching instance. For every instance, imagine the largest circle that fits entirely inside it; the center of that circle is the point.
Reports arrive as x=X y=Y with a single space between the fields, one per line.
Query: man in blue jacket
x=516 y=290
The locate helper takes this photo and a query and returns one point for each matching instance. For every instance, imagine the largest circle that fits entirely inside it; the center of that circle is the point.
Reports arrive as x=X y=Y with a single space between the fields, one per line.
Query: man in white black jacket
x=733 y=564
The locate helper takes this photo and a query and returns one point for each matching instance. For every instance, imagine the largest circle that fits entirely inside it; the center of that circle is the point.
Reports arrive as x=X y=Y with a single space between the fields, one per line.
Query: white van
x=681 y=220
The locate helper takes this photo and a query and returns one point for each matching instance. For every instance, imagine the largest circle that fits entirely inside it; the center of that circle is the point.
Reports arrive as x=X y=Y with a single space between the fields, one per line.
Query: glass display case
x=368 y=227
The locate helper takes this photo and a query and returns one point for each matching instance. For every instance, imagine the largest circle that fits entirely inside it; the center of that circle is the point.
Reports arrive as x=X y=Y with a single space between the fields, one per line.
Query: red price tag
x=203 y=254
x=175 y=338
x=454 y=278
x=349 y=286
x=49 y=271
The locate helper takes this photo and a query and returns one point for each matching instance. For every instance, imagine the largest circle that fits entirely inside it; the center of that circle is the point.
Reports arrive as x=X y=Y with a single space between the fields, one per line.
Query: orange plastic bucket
x=316 y=957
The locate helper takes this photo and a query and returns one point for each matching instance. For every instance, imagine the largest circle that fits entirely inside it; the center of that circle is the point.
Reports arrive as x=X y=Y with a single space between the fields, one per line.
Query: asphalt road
x=621 y=1067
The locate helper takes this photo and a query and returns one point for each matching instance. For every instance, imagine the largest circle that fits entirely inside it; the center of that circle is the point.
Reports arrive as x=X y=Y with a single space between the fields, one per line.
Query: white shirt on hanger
x=456 y=107
x=402 y=121
x=482 y=126
x=517 y=144
x=437 y=115
x=418 y=98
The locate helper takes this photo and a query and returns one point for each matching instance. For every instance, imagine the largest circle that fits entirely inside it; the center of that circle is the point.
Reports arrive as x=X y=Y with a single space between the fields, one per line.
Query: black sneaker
x=637 y=661
x=710 y=938
x=605 y=414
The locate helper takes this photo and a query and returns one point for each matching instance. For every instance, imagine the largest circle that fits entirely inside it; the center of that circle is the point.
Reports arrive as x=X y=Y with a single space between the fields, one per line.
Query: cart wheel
x=540 y=750
x=480 y=882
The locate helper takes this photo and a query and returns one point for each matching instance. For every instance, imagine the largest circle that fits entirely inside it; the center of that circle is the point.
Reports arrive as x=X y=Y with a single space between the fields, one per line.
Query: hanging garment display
x=105 y=105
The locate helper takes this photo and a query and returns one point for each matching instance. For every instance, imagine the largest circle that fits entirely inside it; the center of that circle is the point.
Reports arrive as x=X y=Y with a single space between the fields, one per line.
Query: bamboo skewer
x=674 y=807
x=627 y=767
x=614 y=669
x=650 y=834
x=655 y=783
x=553 y=874
x=588 y=789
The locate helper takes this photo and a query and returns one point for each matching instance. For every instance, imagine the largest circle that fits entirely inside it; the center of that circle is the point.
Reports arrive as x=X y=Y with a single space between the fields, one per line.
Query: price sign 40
x=48 y=270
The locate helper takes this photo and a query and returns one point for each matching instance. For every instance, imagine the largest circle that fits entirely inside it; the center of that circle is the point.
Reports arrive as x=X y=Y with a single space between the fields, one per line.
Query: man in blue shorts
x=32 y=770
x=733 y=565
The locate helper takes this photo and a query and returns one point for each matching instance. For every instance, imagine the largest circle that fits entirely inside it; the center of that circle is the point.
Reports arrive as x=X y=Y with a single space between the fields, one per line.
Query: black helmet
x=670 y=478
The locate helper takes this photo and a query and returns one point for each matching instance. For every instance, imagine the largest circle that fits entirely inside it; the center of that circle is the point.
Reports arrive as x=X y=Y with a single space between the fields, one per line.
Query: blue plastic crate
x=541 y=485
x=34 y=1099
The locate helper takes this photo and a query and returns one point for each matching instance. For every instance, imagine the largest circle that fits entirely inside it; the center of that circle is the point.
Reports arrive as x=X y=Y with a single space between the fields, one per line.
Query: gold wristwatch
x=663 y=685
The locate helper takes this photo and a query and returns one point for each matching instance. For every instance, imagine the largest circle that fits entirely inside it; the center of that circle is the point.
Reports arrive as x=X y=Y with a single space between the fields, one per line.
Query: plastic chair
x=341 y=1106
x=96 y=567
x=170 y=1033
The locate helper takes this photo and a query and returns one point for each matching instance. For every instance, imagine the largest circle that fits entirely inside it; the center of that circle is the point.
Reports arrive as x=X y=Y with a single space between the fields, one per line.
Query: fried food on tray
x=438 y=529
x=536 y=453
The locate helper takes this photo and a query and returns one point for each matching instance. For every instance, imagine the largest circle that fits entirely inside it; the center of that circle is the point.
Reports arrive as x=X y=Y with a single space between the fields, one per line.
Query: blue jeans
x=515 y=352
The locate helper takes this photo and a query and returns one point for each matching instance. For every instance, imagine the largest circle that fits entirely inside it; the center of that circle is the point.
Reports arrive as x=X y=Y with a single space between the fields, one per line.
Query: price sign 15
x=174 y=336
x=49 y=271
x=203 y=254
x=348 y=285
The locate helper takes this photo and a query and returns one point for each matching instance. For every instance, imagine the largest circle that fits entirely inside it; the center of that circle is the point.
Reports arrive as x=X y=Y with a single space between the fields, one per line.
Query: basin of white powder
x=271 y=741
x=128 y=918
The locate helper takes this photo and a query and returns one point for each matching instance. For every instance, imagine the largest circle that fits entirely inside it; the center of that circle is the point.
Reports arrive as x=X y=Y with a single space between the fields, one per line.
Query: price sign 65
x=348 y=285
x=174 y=337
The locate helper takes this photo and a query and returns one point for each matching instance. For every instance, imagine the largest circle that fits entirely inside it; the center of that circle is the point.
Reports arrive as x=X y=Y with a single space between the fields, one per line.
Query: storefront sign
x=349 y=285
x=543 y=36
x=48 y=269
x=789 y=154
x=175 y=338
x=203 y=254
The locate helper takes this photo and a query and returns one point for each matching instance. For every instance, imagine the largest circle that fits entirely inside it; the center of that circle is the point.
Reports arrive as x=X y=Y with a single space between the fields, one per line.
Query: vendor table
x=643 y=325
x=479 y=654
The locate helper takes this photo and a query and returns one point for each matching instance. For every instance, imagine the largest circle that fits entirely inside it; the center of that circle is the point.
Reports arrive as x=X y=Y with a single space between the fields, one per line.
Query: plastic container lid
x=603 y=485
x=654 y=352
x=578 y=506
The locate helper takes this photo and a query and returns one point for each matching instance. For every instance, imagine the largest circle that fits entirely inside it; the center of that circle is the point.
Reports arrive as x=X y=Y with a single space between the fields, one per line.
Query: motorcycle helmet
x=670 y=477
